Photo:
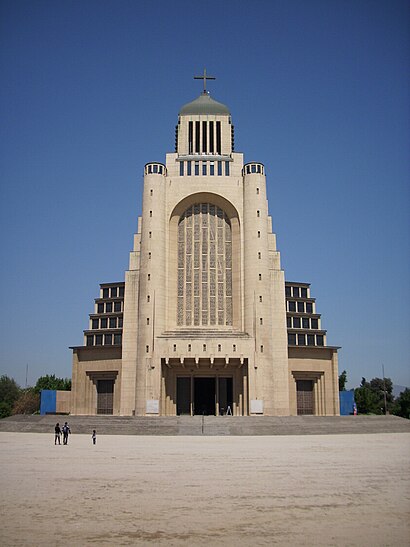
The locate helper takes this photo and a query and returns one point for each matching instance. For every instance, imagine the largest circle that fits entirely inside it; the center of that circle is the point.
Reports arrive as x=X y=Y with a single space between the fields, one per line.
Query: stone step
x=209 y=425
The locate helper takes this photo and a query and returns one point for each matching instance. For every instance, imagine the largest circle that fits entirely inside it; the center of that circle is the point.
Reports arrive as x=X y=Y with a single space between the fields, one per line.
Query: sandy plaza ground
x=136 y=490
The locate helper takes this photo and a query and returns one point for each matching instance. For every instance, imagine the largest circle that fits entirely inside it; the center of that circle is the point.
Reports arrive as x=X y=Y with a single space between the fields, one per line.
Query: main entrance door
x=304 y=389
x=204 y=396
x=105 y=396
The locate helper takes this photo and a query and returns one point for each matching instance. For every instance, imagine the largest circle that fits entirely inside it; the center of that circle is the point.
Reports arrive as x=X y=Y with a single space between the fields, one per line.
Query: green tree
x=342 y=381
x=369 y=396
x=401 y=405
x=9 y=393
x=51 y=382
x=27 y=403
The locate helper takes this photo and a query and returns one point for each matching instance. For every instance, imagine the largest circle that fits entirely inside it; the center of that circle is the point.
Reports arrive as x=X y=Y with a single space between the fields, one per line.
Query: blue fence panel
x=48 y=401
x=347 y=403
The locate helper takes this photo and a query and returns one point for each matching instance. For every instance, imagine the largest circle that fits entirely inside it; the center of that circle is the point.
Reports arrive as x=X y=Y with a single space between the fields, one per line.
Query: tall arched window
x=204 y=267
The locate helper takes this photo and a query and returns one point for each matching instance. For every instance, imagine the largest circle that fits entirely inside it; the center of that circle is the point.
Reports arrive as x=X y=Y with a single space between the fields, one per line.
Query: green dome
x=204 y=105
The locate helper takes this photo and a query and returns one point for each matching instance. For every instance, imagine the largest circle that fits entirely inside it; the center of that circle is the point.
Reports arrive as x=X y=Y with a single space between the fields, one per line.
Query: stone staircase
x=209 y=425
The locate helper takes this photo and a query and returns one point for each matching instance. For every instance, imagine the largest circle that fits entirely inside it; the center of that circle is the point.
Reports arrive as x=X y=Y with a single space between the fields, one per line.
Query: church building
x=205 y=322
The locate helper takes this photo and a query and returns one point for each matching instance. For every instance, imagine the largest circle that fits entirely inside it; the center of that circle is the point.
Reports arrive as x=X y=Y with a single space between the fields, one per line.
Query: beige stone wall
x=320 y=365
x=88 y=365
x=63 y=402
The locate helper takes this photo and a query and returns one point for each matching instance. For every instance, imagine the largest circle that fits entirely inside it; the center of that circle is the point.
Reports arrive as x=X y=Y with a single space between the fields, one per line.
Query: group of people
x=65 y=431
x=58 y=431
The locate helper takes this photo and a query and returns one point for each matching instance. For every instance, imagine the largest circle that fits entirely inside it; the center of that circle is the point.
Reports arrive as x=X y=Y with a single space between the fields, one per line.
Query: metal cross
x=204 y=77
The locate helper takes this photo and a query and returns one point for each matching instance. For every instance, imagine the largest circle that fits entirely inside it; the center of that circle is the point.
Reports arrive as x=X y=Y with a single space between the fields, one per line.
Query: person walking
x=66 y=431
x=57 y=434
x=94 y=436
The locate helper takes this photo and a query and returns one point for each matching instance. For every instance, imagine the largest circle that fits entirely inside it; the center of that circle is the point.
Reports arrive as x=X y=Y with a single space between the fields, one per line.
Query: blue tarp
x=48 y=401
x=347 y=403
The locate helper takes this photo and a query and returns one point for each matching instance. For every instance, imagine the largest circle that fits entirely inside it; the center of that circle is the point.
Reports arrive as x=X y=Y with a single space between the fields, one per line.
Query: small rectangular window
x=196 y=168
x=261 y=349
x=189 y=347
x=303 y=292
x=204 y=168
x=219 y=347
x=292 y=339
x=108 y=340
x=292 y=305
x=117 y=339
x=204 y=347
x=296 y=322
x=204 y=139
x=219 y=168
x=309 y=307
x=257 y=191
x=227 y=168
x=108 y=307
x=197 y=136
x=113 y=292
x=149 y=169
x=181 y=168
x=253 y=168
x=175 y=347
x=106 y=293
x=90 y=340
x=260 y=321
x=190 y=137
x=258 y=213
x=212 y=169
x=149 y=277
x=301 y=307
x=289 y=322
x=260 y=299
x=120 y=322
x=94 y=324
x=147 y=349
x=113 y=322
x=310 y=339
x=100 y=308
x=151 y=192
x=149 y=256
x=258 y=170
x=117 y=306
x=104 y=323
x=155 y=168
x=260 y=277
x=211 y=137
x=218 y=138
x=305 y=323
x=121 y=292
x=189 y=168
x=234 y=347
x=148 y=298
x=314 y=323
x=150 y=235
x=287 y=291
x=98 y=340
x=259 y=234
x=301 y=340
x=259 y=255
x=248 y=169
x=147 y=320
x=319 y=339
x=295 y=292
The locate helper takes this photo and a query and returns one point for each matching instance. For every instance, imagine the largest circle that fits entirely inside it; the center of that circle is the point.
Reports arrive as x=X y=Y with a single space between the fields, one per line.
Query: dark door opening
x=225 y=396
x=105 y=396
x=304 y=390
x=183 y=395
x=204 y=396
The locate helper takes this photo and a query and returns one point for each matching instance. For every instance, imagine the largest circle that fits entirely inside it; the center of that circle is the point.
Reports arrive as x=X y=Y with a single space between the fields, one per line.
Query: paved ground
x=135 y=490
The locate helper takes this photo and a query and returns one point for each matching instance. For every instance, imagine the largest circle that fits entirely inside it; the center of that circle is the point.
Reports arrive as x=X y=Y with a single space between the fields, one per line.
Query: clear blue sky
x=319 y=93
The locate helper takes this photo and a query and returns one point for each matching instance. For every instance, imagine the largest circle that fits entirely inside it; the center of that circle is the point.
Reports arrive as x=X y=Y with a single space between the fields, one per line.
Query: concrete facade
x=205 y=322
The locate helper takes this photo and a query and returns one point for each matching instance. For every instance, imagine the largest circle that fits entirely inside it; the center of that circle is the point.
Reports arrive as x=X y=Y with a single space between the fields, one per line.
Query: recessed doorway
x=204 y=396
